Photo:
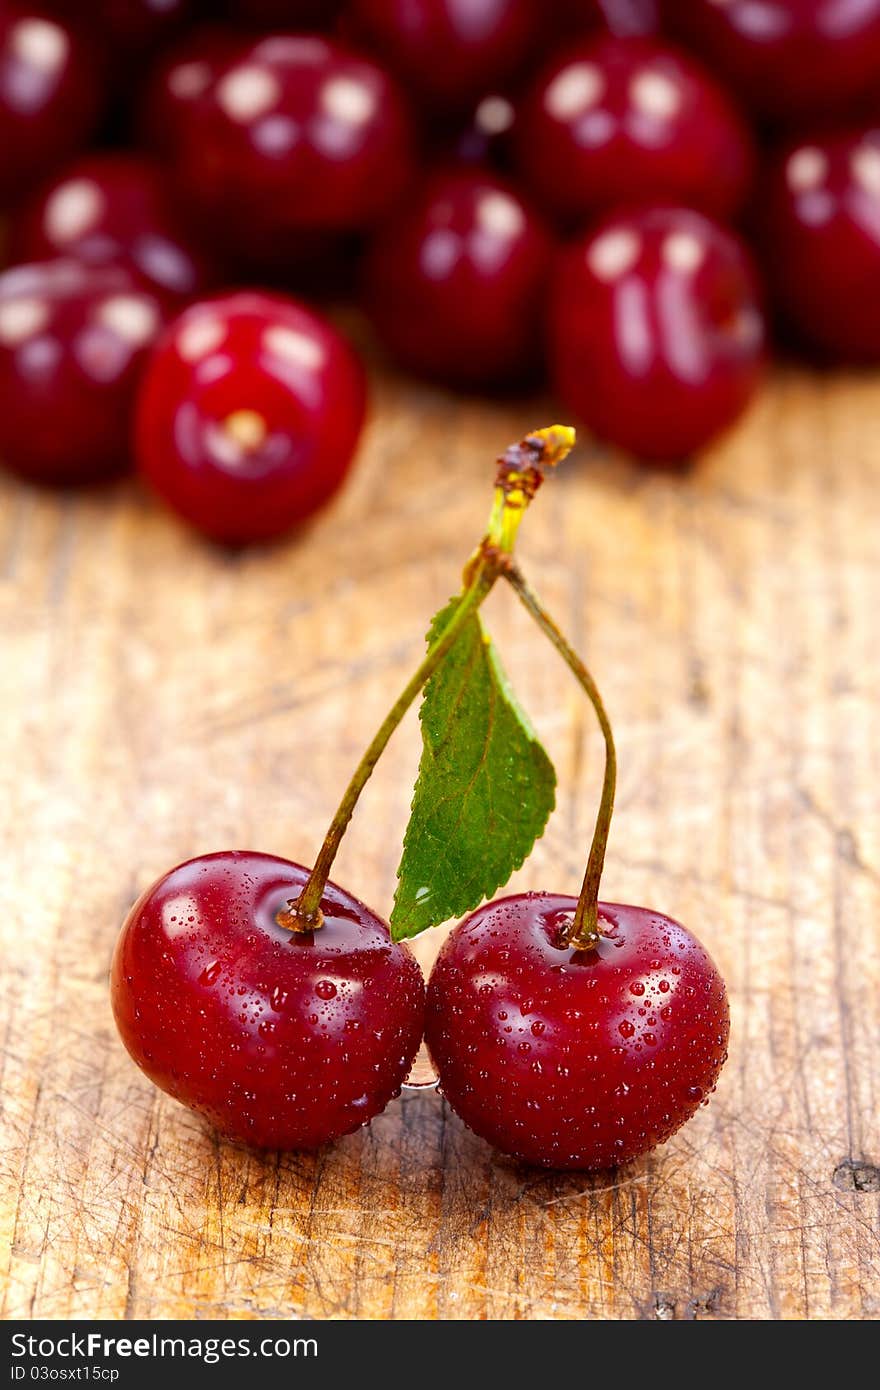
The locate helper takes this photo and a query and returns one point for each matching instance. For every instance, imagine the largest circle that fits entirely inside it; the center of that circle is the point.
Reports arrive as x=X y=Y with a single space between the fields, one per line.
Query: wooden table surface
x=161 y=699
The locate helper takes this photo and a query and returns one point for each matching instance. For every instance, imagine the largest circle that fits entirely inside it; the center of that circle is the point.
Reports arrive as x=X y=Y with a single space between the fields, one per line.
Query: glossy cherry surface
x=449 y=53
x=296 y=137
x=281 y=1040
x=621 y=120
x=788 y=59
x=114 y=209
x=656 y=330
x=73 y=340
x=50 y=94
x=249 y=415
x=455 y=283
x=820 y=219
x=574 y=1059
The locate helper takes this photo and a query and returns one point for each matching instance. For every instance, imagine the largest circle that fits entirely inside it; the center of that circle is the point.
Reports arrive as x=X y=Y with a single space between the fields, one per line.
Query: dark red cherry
x=657 y=334
x=574 y=1059
x=623 y=120
x=449 y=53
x=50 y=95
x=820 y=225
x=788 y=59
x=455 y=283
x=249 y=415
x=175 y=82
x=73 y=341
x=297 y=137
x=281 y=1040
x=109 y=209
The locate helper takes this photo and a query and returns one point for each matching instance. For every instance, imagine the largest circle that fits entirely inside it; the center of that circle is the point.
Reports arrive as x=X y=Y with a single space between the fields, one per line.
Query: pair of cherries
x=564 y=1058
x=569 y=1033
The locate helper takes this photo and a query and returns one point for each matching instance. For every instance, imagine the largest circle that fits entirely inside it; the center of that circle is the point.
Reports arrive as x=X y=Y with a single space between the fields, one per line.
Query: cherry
x=820 y=223
x=180 y=76
x=656 y=330
x=449 y=53
x=569 y=1058
x=454 y=283
x=49 y=95
x=619 y=120
x=73 y=340
x=281 y=1039
x=296 y=137
x=788 y=59
x=114 y=208
x=249 y=415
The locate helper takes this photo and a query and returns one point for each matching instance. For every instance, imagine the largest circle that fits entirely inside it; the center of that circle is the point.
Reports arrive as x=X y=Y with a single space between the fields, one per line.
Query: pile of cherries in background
x=611 y=194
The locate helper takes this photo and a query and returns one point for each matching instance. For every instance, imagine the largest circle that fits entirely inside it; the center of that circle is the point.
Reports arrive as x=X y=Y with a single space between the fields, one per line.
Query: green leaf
x=485 y=787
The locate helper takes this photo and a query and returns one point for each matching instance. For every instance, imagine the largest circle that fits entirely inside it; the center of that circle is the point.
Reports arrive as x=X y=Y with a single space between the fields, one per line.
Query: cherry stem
x=583 y=931
x=520 y=474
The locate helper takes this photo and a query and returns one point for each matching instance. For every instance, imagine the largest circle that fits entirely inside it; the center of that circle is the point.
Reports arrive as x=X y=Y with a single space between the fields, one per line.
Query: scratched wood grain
x=161 y=699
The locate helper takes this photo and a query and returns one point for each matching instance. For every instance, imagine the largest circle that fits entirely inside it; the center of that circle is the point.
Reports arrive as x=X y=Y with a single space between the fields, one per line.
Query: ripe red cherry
x=455 y=283
x=50 y=93
x=249 y=415
x=281 y=1040
x=114 y=209
x=73 y=340
x=574 y=1059
x=656 y=330
x=448 y=52
x=621 y=120
x=820 y=216
x=296 y=137
x=788 y=59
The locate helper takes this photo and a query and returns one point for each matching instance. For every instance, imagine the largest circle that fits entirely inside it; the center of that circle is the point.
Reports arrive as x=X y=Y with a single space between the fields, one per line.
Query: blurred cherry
x=820 y=226
x=449 y=53
x=50 y=95
x=626 y=120
x=114 y=208
x=789 y=60
x=656 y=330
x=73 y=340
x=455 y=283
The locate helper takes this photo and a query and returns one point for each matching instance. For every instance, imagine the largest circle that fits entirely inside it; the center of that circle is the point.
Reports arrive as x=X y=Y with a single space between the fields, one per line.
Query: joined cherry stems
x=520 y=474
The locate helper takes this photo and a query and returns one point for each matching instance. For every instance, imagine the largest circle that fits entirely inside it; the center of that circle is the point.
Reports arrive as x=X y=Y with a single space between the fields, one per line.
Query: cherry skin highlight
x=249 y=415
x=820 y=228
x=574 y=1059
x=656 y=330
x=448 y=53
x=629 y=120
x=50 y=95
x=73 y=342
x=789 y=60
x=114 y=209
x=281 y=1040
x=295 y=139
x=455 y=283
